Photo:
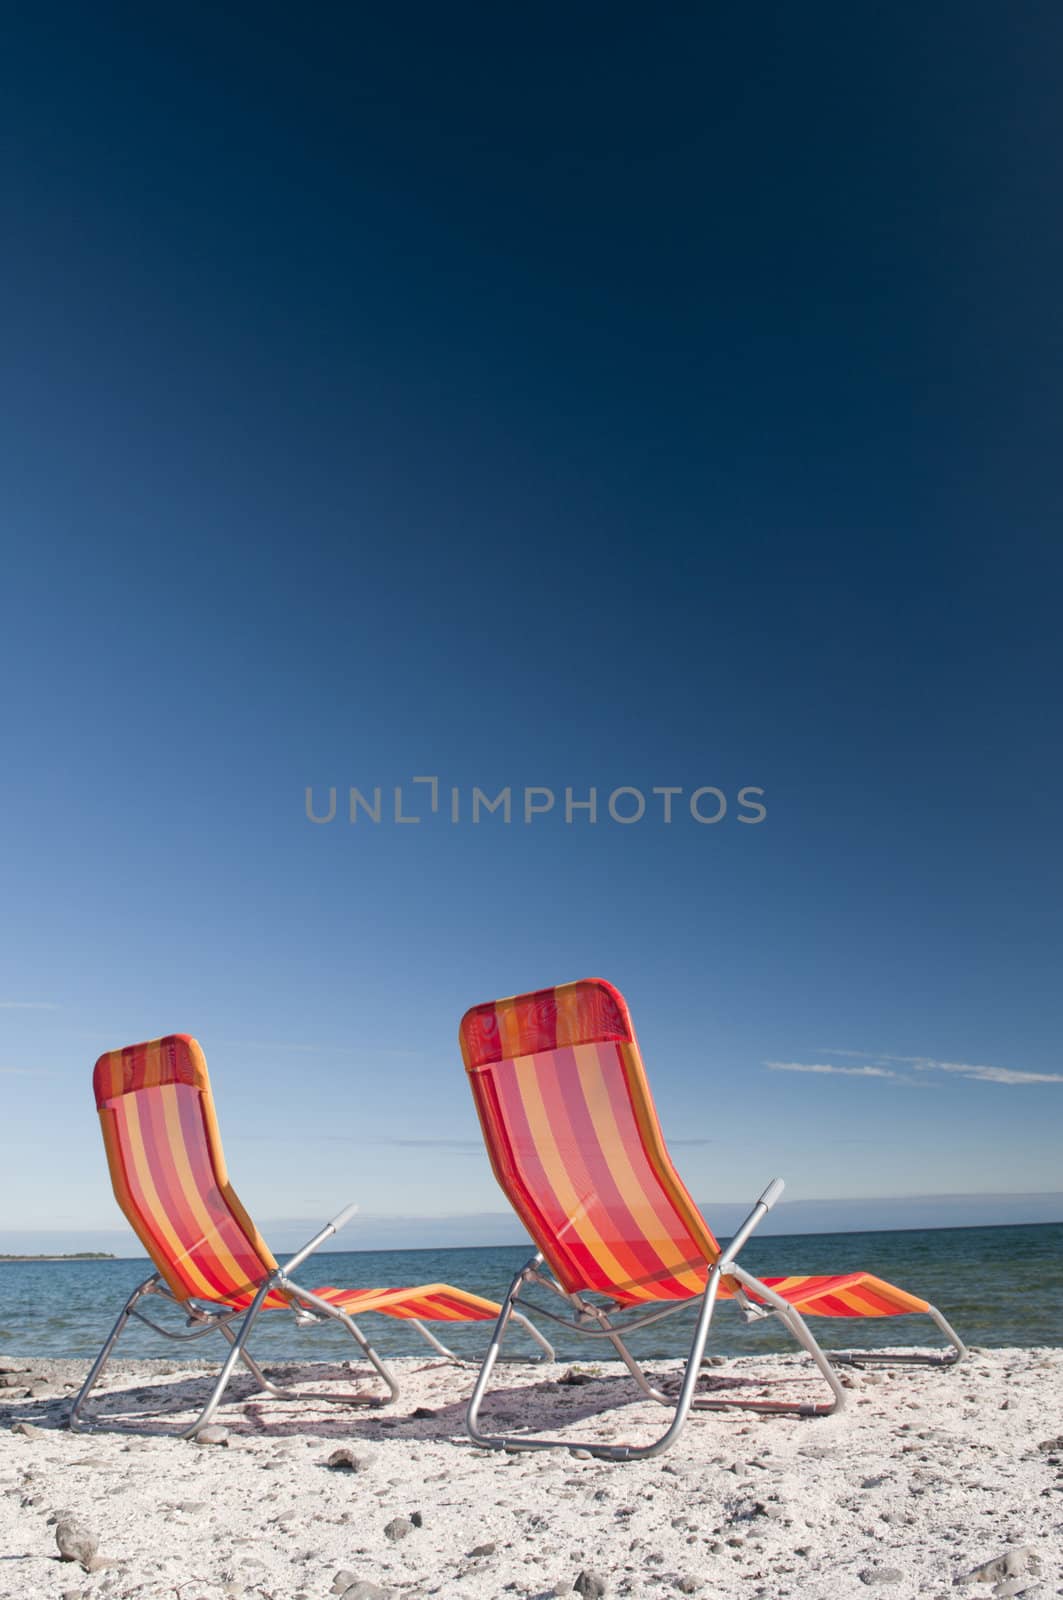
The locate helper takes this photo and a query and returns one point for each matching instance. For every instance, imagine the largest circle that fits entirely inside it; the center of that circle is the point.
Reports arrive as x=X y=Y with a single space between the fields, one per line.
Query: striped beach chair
x=169 y=1177
x=576 y=1146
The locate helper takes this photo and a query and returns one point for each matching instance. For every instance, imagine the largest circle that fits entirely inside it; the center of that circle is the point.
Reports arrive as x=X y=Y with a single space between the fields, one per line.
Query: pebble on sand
x=1009 y=1565
x=76 y=1542
x=347 y=1460
x=590 y=1584
x=212 y=1435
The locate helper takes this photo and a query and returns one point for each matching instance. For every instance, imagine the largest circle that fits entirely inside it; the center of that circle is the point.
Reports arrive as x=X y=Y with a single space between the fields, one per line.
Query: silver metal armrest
x=755 y=1218
x=327 y=1231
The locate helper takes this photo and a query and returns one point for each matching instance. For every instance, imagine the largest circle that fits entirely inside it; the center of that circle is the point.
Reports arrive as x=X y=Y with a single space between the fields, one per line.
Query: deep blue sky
x=555 y=399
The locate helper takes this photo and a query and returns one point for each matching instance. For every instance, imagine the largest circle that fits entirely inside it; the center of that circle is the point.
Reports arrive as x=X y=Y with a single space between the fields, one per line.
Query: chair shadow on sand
x=133 y=1408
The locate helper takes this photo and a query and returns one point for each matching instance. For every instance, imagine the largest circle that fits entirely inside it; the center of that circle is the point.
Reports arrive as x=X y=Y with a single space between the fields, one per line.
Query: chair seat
x=850 y=1294
x=428 y=1302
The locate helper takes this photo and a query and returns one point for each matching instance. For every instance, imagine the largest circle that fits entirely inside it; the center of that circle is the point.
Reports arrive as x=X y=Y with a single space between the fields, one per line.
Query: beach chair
x=575 y=1144
x=169 y=1176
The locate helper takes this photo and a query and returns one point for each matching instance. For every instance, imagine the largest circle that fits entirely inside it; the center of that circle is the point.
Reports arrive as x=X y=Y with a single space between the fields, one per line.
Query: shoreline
x=923 y=1477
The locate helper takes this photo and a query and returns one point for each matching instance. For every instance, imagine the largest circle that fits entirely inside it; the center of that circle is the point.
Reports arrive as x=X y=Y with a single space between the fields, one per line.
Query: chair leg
x=437 y=1344
x=802 y=1334
x=345 y=1398
x=74 y=1421
x=887 y=1358
x=325 y=1308
x=607 y=1452
x=546 y=1349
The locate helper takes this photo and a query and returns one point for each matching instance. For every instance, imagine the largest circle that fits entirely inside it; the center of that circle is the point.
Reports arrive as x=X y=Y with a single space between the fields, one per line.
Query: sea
x=997 y=1286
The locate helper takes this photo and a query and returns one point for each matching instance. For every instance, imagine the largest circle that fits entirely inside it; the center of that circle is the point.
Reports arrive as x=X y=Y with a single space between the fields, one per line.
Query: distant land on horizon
x=66 y=1255
x=486 y=1230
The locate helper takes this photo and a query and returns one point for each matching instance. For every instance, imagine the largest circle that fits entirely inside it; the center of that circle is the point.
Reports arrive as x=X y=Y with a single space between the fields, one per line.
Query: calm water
x=997 y=1286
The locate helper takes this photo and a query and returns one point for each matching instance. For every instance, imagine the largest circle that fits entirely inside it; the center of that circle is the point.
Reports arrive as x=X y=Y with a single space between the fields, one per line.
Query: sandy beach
x=924 y=1478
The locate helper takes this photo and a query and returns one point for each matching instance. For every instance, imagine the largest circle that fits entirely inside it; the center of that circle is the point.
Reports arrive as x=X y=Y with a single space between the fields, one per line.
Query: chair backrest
x=574 y=1141
x=168 y=1171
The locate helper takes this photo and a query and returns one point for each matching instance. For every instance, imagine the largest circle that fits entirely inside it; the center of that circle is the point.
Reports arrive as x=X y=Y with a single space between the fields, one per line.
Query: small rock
x=343 y=1580
x=686 y=1585
x=75 y=1541
x=1009 y=1565
x=29 y=1430
x=346 y=1460
x=561 y=1587
x=364 y=1590
x=483 y=1550
x=590 y=1584
x=419 y=1413
x=397 y=1529
x=881 y=1575
x=417 y=1518
x=1052 y=1444
x=574 y=1377
x=214 y=1434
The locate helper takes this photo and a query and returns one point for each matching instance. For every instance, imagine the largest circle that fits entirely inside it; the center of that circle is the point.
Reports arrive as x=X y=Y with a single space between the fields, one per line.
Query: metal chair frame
x=686 y=1399
x=308 y=1308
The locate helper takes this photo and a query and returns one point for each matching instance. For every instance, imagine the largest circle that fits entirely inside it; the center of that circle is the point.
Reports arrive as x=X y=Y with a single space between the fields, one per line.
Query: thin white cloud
x=27 y=1005
x=829 y=1070
x=993 y=1074
x=977 y=1072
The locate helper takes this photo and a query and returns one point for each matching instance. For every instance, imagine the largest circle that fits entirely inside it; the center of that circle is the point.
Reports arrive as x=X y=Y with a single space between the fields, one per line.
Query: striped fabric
x=575 y=1144
x=430 y=1302
x=169 y=1176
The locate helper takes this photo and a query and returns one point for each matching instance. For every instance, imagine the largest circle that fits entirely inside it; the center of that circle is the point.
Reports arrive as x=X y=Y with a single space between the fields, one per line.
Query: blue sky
x=563 y=405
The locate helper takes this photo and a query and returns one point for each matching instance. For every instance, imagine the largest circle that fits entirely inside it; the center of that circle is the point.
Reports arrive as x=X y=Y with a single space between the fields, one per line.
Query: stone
x=421 y=1413
x=397 y=1529
x=1010 y=1565
x=76 y=1542
x=417 y=1518
x=213 y=1434
x=343 y=1581
x=590 y=1584
x=347 y=1460
x=574 y=1377
x=362 y=1589
x=1052 y=1444
x=28 y=1430
x=686 y=1585
x=483 y=1550
x=881 y=1575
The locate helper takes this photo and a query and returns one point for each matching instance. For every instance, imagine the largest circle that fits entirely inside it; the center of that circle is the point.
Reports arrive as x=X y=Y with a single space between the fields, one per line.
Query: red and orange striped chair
x=169 y=1176
x=575 y=1144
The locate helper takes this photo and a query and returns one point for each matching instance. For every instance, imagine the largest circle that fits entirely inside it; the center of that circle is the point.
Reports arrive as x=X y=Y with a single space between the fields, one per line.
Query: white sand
x=925 y=1475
